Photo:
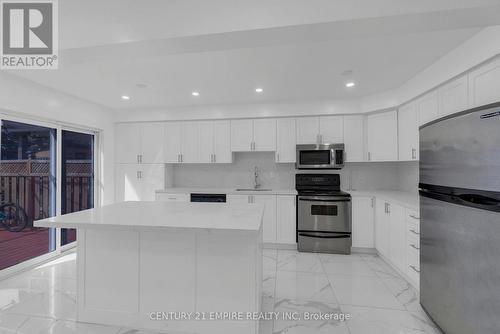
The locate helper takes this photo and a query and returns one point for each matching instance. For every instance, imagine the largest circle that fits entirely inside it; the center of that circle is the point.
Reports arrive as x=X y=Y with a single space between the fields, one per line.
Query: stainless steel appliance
x=320 y=156
x=460 y=221
x=323 y=214
x=211 y=198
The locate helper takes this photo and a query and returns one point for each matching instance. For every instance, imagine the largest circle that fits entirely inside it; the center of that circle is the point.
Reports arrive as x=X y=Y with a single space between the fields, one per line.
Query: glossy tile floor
x=43 y=300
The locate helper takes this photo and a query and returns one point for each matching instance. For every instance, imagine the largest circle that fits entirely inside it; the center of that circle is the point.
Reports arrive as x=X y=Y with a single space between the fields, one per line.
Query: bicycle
x=13 y=217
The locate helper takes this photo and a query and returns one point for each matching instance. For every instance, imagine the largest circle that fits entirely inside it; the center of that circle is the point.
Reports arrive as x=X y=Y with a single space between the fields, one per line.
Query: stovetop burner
x=319 y=185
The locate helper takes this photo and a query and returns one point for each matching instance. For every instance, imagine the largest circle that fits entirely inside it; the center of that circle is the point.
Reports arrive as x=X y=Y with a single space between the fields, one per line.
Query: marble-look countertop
x=407 y=199
x=227 y=191
x=145 y=216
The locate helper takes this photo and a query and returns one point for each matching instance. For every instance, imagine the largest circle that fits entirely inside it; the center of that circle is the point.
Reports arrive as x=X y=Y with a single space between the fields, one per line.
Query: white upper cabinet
x=331 y=129
x=382 y=136
x=206 y=141
x=138 y=182
x=253 y=135
x=189 y=142
x=307 y=130
x=428 y=107
x=454 y=96
x=264 y=134
x=408 y=132
x=362 y=222
x=152 y=144
x=173 y=140
x=484 y=83
x=285 y=140
x=354 y=138
x=139 y=143
x=319 y=130
x=222 y=142
x=128 y=142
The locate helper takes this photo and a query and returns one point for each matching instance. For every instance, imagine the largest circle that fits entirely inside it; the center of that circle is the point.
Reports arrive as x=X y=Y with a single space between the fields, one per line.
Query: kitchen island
x=140 y=264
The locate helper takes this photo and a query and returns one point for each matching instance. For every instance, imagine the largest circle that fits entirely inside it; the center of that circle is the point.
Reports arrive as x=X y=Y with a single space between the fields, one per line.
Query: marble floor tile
x=295 y=261
x=298 y=285
x=404 y=292
x=37 y=326
x=379 y=266
x=363 y=291
x=307 y=326
x=9 y=323
x=145 y=331
x=336 y=258
x=64 y=267
x=354 y=268
x=269 y=259
x=383 y=321
x=57 y=305
x=269 y=283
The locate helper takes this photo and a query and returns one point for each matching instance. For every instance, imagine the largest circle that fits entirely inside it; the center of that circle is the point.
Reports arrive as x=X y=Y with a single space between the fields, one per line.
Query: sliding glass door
x=77 y=188
x=27 y=191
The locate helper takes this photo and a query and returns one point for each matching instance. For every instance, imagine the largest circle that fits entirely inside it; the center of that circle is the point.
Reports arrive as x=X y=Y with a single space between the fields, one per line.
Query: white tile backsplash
x=239 y=174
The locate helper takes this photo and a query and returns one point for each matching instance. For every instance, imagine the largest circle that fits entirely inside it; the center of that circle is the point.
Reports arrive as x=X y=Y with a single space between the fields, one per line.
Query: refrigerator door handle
x=342 y=236
x=479 y=199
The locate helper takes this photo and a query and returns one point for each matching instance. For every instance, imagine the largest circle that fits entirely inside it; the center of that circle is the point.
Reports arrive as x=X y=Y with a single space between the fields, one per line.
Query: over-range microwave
x=320 y=156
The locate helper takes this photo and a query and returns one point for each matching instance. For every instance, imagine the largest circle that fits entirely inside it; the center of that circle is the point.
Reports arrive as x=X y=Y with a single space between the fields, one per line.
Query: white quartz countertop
x=228 y=191
x=407 y=199
x=140 y=216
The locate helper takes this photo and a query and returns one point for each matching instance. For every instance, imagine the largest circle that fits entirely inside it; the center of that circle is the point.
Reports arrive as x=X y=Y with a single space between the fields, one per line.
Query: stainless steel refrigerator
x=460 y=221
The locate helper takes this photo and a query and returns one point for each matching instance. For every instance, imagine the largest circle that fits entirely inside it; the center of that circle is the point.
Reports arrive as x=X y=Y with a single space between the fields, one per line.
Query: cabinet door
x=173 y=142
x=354 y=138
x=331 y=129
x=408 y=132
x=189 y=142
x=152 y=145
x=206 y=141
x=382 y=136
x=428 y=107
x=362 y=222
x=269 y=223
x=483 y=84
x=397 y=236
x=128 y=185
x=241 y=135
x=239 y=199
x=285 y=140
x=127 y=143
x=454 y=96
x=382 y=227
x=222 y=142
x=264 y=134
x=152 y=178
x=307 y=130
x=285 y=219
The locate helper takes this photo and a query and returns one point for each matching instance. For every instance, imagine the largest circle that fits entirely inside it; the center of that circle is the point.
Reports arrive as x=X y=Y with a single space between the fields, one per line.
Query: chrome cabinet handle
x=277 y=157
x=413 y=153
x=373 y=202
x=412 y=216
x=414 y=232
x=138 y=160
x=182 y=158
x=137 y=174
x=369 y=156
x=215 y=157
x=415 y=269
x=415 y=247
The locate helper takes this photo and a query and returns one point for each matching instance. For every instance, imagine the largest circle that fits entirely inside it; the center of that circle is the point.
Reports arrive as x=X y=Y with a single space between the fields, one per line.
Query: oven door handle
x=342 y=236
x=324 y=199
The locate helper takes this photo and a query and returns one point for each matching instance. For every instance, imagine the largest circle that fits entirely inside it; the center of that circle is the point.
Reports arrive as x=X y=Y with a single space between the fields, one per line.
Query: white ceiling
x=294 y=50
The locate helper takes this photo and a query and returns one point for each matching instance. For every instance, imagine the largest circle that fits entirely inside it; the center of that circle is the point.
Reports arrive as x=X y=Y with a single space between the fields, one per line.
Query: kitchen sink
x=253 y=189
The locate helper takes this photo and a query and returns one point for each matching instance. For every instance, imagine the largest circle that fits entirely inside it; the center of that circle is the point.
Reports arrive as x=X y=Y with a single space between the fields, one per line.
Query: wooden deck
x=16 y=247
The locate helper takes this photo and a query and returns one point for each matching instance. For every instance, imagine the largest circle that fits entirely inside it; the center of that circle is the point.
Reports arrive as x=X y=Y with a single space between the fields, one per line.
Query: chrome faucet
x=256 y=178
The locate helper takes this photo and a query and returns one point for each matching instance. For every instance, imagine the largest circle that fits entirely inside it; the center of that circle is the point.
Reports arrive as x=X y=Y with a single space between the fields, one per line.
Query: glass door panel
x=77 y=176
x=27 y=191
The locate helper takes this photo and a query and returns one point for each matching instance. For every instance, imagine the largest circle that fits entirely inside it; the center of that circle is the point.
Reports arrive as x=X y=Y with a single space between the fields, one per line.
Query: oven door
x=324 y=214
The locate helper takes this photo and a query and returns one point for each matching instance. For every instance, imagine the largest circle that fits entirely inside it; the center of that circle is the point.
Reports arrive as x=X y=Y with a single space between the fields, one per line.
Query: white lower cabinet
x=362 y=222
x=269 y=221
x=166 y=197
x=382 y=220
x=285 y=219
x=138 y=182
x=397 y=233
x=413 y=246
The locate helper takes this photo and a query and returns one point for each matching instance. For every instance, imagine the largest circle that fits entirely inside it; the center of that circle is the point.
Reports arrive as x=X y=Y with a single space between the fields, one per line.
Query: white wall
x=23 y=98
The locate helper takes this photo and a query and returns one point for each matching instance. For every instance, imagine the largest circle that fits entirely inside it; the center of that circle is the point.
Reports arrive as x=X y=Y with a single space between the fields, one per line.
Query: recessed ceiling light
x=259 y=90
x=125 y=97
x=195 y=93
x=350 y=84
x=141 y=85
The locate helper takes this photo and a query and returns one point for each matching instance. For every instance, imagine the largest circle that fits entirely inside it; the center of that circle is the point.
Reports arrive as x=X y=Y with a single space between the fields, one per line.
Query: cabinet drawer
x=172 y=197
x=412 y=215
x=413 y=241
x=413 y=269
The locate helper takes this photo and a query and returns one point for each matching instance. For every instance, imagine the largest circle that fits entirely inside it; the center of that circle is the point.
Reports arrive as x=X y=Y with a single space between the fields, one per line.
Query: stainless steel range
x=323 y=214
